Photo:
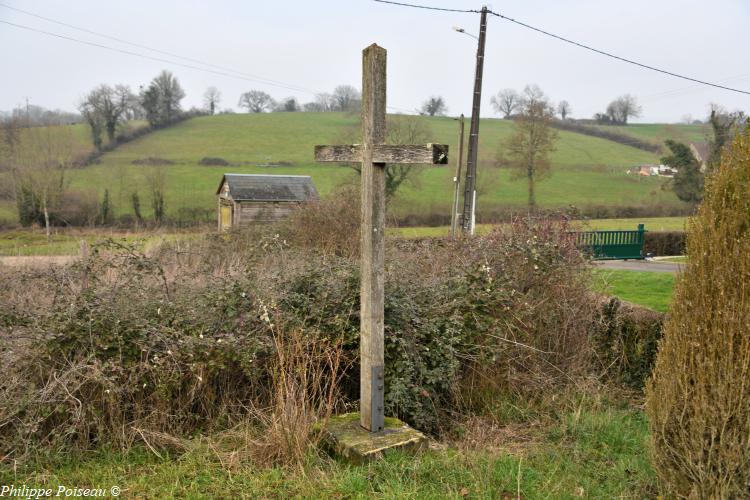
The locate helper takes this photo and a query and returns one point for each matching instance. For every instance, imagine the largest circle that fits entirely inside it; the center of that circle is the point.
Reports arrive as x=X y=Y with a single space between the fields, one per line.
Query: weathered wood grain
x=373 y=236
x=424 y=154
x=374 y=155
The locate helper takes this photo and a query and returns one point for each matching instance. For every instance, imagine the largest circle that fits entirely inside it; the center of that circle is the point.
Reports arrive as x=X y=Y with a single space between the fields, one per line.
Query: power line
x=259 y=79
x=153 y=58
x=189 y=66
x=623 y=59
x=427 y=7
x=572 y=42
x=694 y=88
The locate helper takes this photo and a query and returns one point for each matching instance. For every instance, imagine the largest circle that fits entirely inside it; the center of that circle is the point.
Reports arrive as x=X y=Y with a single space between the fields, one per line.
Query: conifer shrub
x=698 y=399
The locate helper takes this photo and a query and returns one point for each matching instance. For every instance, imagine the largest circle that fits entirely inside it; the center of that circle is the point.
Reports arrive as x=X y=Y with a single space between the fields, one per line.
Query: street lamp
x=461 y=30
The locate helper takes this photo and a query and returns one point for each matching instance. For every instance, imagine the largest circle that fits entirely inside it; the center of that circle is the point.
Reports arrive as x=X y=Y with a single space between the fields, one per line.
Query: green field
x=650 y=223
x=586 y=170
x=648 y=289
x=79 y=135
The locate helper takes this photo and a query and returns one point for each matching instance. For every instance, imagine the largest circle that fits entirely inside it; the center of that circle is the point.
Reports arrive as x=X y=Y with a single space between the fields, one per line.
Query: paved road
x=640 y=265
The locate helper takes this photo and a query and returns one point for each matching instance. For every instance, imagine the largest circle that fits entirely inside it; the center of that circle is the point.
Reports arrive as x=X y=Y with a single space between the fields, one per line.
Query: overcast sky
x=316 y=45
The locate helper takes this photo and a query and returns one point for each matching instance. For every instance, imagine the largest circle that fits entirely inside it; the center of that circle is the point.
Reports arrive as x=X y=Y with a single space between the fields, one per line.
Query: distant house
x=648 y=170
x=701 y=151
x=246 y=199
x=667 y=171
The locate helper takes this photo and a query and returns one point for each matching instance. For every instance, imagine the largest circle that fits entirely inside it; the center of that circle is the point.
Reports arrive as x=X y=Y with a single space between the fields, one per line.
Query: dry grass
x=305 y=393
x=485 y=434
x=305 y=386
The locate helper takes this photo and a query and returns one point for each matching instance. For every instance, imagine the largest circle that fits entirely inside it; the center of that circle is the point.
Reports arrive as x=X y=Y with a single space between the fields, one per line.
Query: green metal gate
x=611 y=245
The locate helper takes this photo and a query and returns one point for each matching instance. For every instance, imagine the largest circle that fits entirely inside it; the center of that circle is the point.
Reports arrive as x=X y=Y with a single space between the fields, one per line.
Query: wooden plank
x=425 y=154
x=373 y=235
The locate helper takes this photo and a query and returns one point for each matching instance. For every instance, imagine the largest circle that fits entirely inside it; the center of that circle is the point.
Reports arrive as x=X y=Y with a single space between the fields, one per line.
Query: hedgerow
x=262 y=327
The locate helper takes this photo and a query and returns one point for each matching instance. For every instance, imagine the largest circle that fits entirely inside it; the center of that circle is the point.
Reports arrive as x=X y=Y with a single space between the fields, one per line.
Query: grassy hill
x=586 y=170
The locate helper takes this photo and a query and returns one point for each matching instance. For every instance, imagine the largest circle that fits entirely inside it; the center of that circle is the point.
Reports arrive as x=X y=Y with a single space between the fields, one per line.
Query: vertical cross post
x=374 y=155
x=373 y=240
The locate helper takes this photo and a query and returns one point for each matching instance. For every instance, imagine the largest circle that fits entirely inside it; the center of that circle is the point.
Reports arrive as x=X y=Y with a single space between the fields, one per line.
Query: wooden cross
x=374 y=155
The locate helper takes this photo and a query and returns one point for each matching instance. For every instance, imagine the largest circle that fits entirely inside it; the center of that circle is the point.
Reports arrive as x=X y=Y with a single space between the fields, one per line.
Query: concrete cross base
x=346 y=439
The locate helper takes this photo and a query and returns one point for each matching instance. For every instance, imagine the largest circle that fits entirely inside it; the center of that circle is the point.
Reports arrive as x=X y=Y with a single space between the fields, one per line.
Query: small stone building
x=246 y=199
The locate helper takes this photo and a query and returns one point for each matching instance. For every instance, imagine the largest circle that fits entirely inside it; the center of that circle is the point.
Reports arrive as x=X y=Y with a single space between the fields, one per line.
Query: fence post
x=641 y=238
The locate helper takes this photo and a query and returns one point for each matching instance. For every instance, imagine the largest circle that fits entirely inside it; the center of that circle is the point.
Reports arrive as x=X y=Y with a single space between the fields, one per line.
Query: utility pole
x=457 y=178
x=470 y=187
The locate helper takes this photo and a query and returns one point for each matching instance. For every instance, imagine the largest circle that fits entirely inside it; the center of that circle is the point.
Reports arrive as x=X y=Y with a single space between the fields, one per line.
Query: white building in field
x=648 y=170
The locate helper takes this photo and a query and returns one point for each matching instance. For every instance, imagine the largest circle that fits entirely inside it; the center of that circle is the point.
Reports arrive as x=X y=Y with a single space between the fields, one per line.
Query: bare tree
x=346 y=98
x=322 y=102
x=117 y=110
x=156 y=181
x=38 y=171
x=325 y=101
x=612 y=113
x=563 y=109
x=531 y=143
x=724 y=125
x=532 y=97
x=403 y=129
x=94 y=121
x=434 y=106
x=400 y=129
x=624 y=107
x=256 y=101
x=506 y=102
x=106 y=108
x=211 y=99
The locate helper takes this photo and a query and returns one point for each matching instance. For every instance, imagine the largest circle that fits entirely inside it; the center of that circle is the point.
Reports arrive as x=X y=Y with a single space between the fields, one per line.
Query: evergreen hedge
x=698 y=399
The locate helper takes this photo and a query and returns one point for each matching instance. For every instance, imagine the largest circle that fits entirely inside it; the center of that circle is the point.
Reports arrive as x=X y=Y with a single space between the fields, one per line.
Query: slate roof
x=258 y=187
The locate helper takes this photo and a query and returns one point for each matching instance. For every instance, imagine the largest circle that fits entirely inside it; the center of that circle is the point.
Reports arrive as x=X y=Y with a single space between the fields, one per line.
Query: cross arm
x=430 y=154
